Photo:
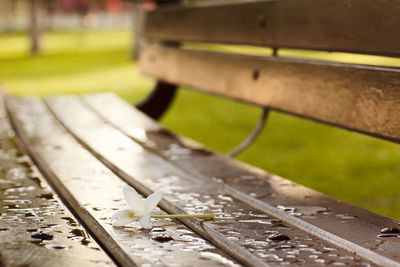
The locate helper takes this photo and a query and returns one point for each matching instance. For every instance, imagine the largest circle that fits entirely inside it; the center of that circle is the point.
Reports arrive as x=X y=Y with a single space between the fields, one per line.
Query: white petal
x=152 y=201
x=134 y=199
x=145 y=221
x=121 y=218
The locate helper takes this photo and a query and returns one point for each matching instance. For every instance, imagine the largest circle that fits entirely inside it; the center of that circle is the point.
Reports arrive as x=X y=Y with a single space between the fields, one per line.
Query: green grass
x=72 y=63
x=358 y=169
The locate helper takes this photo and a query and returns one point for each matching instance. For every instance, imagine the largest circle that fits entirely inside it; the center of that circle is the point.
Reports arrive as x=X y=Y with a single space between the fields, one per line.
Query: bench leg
x=253 y=135
x=159 y=100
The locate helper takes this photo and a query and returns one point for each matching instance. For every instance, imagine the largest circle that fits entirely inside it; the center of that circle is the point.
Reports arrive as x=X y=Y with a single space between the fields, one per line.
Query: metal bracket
x=253 y=136
x=159 y=100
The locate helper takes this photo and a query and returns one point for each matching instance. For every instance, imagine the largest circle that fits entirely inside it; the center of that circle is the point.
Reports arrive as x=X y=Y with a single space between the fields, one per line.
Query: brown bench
x=89 y=147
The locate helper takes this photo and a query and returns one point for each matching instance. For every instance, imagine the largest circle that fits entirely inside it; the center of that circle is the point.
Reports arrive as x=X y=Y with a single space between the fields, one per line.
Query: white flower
x=141 y=208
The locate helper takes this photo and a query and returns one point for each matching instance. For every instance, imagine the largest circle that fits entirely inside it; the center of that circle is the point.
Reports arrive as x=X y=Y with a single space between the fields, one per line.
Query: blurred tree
x=34 y=26
x=51 y=7
x=10 y=10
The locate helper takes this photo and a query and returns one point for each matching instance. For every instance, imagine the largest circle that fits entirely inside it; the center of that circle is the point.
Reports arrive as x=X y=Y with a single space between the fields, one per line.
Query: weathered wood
x=94 y=194
x=343 y=220
x=239 y=225
x=361 y=98
x=359 y=26
x=36 y=229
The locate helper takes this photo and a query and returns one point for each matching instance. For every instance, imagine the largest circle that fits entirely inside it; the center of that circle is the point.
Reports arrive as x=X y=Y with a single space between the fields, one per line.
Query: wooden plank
x=95 y=193
x=36 y=229
x=361 y=98
x=359 y=26
x=341 y=219
x=239 y=225
x=346 y=221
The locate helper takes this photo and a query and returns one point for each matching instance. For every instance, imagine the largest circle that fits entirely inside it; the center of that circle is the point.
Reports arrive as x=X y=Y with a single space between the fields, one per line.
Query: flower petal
x=134 y=199
x=121 y=218
x=145 y=221
x=152 y=201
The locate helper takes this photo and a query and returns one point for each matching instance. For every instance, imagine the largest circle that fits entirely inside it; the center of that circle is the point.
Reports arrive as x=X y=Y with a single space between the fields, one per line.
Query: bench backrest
x=357 y=97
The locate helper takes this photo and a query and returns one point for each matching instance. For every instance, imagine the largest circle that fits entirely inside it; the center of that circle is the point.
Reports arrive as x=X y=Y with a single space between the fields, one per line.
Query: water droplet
x=85 y=241
x=346 y=258
x=78 y=232
x=162 y=238
x=310 y=210
x=388 y=235
x=257 y=215
x=157 y=229
x=42 y=235
x=278 y=237
x=388 y=230
x=269 y=257
x=17 y=201
x=287 y=209
x=57 y=247
x=337 y=263
x=47 y=196
x=285 y=247
x=345 y=216
x=256 y=221
x=293 y=252
x=226 y=198
x=70 y=221
x=20 y=189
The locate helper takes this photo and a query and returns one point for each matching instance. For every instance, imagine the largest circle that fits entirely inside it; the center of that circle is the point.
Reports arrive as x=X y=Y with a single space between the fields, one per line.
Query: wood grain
x=361 y=227
x=361 y=98
x=359 y=26
x=239 y=227
x=94 y=193
x=36 y=229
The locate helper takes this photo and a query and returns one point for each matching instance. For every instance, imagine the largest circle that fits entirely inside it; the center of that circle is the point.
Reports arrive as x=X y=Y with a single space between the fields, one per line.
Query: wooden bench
x=89 y=147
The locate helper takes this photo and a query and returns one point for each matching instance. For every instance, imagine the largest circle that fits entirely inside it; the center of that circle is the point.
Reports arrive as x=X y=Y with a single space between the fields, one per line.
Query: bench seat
x=36 y=229
x=89 y=147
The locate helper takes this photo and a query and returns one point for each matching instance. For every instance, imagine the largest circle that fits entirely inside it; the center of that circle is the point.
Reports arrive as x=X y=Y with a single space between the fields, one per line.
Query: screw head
x=262 y=21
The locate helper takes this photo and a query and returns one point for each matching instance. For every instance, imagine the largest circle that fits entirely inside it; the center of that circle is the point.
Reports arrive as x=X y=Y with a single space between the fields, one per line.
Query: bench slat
x=36 y=229
x=359 y=26
x=95 y=193
x=239 y=223
x=361 y=98
x=361 y=226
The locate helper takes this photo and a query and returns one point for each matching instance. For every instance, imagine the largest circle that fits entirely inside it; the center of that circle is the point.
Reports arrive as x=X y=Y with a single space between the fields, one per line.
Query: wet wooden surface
x=240 y=224
x=360 y=26
x=94 y=193
x=341 y=219
x=36 y=229
x=361 y=98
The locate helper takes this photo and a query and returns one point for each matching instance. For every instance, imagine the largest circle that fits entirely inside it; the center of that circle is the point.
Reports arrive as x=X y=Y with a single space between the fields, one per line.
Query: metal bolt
x=262 y=21
x=256 y=74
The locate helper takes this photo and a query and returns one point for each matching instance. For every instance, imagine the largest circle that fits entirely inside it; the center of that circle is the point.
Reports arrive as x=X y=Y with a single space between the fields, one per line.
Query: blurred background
x=85 y=46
